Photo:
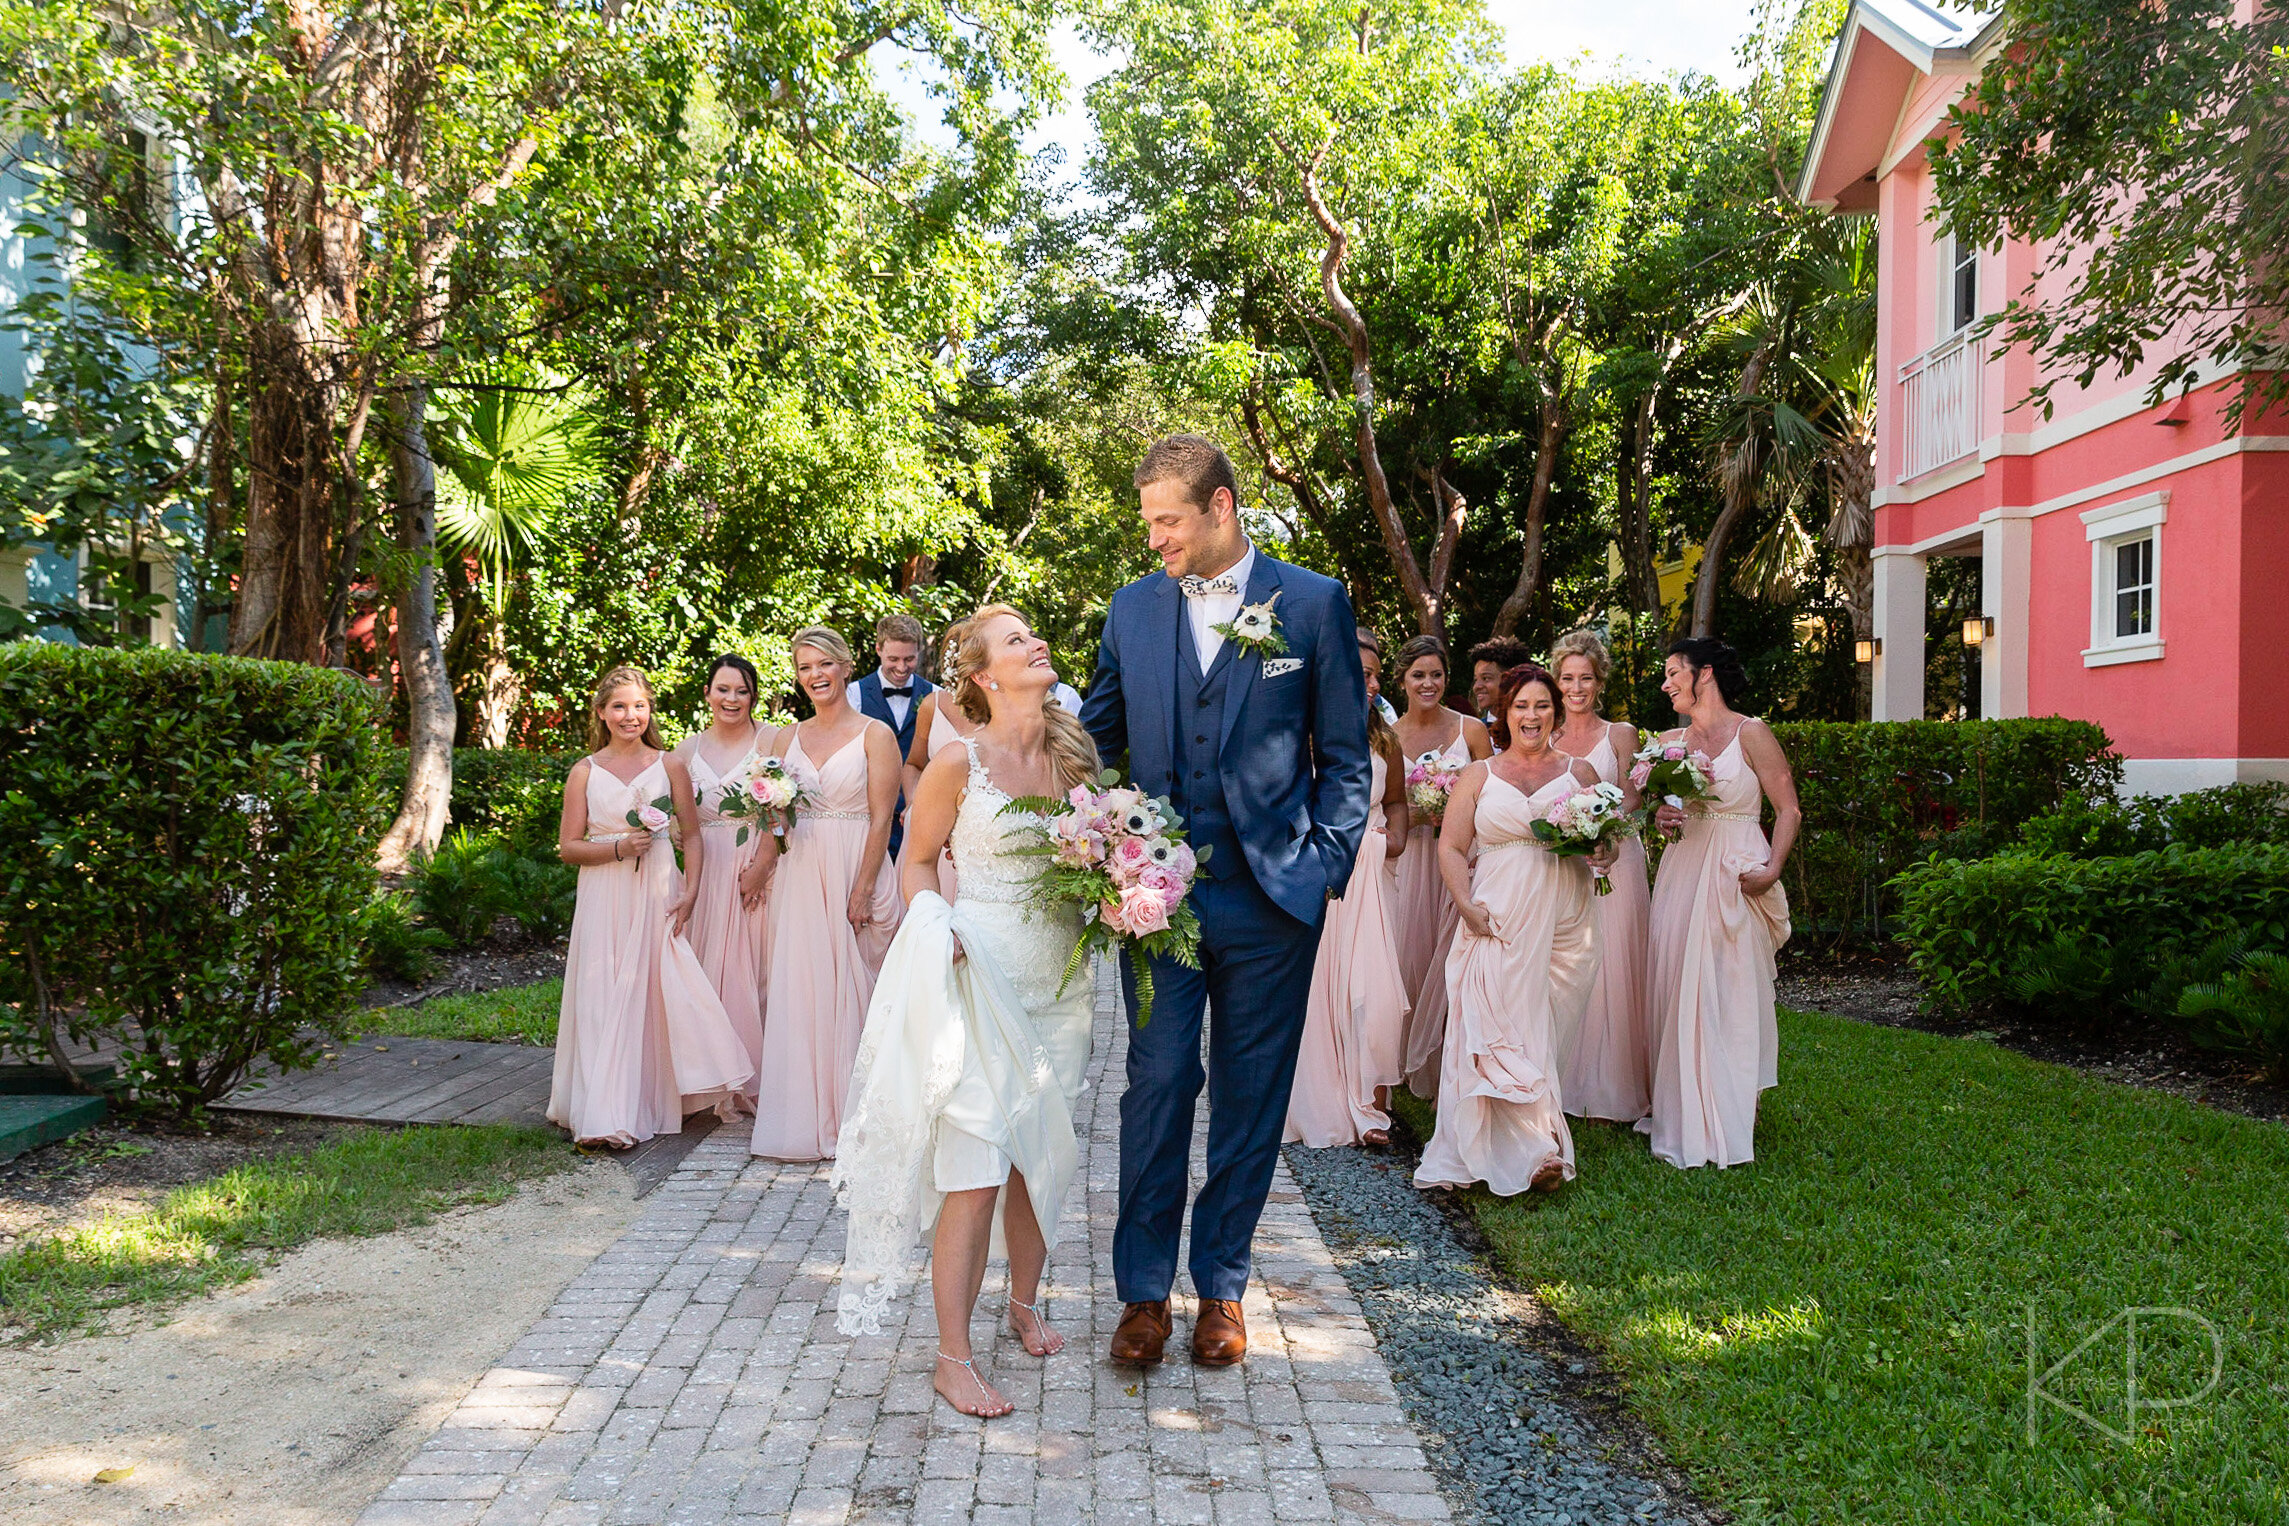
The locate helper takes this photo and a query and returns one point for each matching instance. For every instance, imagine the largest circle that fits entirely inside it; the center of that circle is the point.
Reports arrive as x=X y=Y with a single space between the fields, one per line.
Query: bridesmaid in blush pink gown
x=727 y=914
x=1524 y=958
x=834 y=907
x=940 y=726
x=641 y=1038
x=1354 y=1024
x=1719 y=917
x=1423 y=915
x=1606 y=1064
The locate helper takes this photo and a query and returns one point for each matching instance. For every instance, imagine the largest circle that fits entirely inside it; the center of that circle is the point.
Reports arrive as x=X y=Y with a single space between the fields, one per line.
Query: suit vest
x=1199 y=792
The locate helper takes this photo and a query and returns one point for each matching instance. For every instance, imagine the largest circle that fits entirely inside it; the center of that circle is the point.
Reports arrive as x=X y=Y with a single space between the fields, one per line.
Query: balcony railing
x=1939 y=405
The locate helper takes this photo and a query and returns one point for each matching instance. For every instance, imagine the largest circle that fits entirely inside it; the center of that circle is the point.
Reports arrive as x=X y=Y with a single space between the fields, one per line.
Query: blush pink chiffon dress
x=1716 y=1047
x=728 y=937
x=822 y=969
x=1357 y=1012
x=1501 y=1114
x=641 y=1038
x=1606 y=1065
x=1426 y=921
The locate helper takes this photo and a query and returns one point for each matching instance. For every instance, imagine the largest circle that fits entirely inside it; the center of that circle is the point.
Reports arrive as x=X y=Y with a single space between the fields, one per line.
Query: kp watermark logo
x=2166 y=1337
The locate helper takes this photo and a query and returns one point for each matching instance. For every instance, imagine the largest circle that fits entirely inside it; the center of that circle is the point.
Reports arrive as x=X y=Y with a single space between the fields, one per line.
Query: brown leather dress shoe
x=1143 y=1332
x=1219 y=1335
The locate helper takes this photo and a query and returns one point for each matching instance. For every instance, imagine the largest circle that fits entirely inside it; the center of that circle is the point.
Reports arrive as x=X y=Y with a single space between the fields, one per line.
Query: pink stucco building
x=2135 y=558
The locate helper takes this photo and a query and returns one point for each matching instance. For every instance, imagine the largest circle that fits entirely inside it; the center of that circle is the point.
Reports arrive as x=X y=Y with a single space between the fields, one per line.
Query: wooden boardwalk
x=379 y=1079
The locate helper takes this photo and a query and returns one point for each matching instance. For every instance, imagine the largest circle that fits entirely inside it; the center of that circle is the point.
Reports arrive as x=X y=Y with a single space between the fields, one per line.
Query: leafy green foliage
x=187 y=860
x=457 y=889
x=397 y=946
x=213 y=1234
x=2245 y=1013
x=2211 y=818
x=1975 y=928
x=2144 y=151
x=540 y=894
x=1879 y=795
x=1839 y=1333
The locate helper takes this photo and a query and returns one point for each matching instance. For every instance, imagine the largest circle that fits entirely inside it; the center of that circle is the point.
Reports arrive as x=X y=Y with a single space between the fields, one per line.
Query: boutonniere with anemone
x=1255 y=629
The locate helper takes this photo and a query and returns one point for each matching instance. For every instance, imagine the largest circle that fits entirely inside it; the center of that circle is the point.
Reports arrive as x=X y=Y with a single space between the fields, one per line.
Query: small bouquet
x=654 y=816
x=1430 y=781
x=765 y=791
x=1667 y=774
x=1573 y=827
x=1120 y=855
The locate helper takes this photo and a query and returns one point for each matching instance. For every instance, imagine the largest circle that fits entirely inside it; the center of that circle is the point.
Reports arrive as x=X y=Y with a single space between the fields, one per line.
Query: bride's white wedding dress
x=965 y=1069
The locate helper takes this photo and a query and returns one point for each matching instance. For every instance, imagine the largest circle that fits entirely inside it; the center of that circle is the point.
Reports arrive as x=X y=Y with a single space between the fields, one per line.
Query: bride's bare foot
x=1031 y=1329
x=958 y=1383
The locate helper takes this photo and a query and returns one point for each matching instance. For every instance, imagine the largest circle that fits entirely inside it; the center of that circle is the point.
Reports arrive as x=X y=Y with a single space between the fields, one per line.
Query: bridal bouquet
x=1573 y=827
x=1120 y=855
x=765 y=791
x=1430 y=780
x=1667 y=774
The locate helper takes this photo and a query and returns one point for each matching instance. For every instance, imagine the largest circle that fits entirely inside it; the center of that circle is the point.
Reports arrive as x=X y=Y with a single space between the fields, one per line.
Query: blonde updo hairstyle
x=614 y=680
x=1072 y=752
x=1583 y=643
x=824 y=638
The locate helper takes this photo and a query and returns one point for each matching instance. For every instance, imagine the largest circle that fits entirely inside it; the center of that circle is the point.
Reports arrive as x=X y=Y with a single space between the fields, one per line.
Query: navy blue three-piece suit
x=1272 y=772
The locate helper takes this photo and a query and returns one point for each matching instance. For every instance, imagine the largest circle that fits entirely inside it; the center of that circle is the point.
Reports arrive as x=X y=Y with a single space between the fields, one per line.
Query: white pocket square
x=1280 y=667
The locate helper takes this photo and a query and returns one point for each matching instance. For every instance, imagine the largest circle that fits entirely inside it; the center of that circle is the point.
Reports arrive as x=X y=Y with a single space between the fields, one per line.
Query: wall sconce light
x=1979 y=631
x=1867 y=651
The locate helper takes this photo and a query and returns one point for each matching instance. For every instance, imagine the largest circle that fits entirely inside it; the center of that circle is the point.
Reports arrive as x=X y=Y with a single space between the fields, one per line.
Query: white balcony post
x=1898 y=684
x=2006 y=578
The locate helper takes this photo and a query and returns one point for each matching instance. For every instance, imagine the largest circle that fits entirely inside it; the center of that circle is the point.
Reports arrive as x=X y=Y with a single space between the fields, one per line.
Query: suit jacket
x=1294 y=760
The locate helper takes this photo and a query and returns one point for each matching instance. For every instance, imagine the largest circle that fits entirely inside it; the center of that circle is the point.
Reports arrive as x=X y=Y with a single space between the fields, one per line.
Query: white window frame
x=2108 y=529
x=1950 y=251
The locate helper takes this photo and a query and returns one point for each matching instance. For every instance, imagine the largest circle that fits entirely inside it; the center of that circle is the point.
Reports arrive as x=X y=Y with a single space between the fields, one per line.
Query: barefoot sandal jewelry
x=969 y=1365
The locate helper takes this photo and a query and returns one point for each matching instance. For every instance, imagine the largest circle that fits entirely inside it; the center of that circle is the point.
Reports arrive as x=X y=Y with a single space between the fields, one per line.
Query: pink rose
x=1114 y=917
x=1640 y=776
x=1143 y=910
x=1182 y=863
x=1129 y=858
x=1674 y=752
x=653 y=818
x=1165 y=883
x=1559 y=814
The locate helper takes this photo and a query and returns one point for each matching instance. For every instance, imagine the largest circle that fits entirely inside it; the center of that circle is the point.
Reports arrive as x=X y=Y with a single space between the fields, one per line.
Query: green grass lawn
x=218 y=1232
x=1839 y=1331
x=510 y=1015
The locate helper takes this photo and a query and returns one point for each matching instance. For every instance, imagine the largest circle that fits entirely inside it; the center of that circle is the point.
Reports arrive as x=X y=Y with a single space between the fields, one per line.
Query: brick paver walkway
x=693 y=1374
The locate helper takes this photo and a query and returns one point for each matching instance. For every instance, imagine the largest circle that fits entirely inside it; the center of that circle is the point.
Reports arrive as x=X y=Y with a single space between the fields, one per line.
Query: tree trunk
x=1521 y=601
x=430 y=718
x=1741 y=478
x=1295 y=476
x=1633 y=495
x=498 y=688
x=1427 y=595
x=280 y=611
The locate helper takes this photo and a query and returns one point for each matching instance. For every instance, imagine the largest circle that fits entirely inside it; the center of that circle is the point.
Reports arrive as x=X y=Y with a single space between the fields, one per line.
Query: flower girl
x=641 y=1038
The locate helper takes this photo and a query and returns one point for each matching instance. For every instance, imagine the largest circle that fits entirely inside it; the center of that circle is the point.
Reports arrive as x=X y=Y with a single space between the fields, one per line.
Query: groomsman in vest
x=893 y=693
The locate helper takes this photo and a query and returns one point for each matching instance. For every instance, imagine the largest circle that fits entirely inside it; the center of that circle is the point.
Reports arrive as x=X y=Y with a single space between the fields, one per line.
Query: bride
x=971 y=1061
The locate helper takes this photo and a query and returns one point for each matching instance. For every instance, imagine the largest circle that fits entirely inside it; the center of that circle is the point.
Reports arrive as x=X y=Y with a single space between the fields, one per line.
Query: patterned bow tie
x=905 y=693
x=1201 y=588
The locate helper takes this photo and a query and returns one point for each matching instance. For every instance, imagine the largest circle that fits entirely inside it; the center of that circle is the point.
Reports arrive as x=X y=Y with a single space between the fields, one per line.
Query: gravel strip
x=1516 y=1418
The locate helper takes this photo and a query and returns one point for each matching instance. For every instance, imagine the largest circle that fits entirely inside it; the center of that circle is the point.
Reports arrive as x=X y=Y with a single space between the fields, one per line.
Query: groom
x=1261 y=743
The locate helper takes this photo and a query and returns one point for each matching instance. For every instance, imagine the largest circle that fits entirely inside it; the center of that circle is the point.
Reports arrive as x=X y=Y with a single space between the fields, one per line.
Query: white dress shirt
x=1213 y=609
x=1068 y=696
x=899 y=703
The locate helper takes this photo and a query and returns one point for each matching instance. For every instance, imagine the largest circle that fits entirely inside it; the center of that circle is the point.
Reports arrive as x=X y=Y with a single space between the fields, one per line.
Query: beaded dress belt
x=617 y=836
x=1728 y=815
x=835 y=815
x=1508 y=842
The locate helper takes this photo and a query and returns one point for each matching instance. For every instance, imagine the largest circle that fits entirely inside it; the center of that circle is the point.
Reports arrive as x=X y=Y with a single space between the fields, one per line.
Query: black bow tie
x=905 y=693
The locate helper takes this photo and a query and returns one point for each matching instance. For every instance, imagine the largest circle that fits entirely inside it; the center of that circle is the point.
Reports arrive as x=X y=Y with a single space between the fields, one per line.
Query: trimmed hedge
x=2071 y=935
x=2209 y=818
x=1879 y=795
x=186 y=858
